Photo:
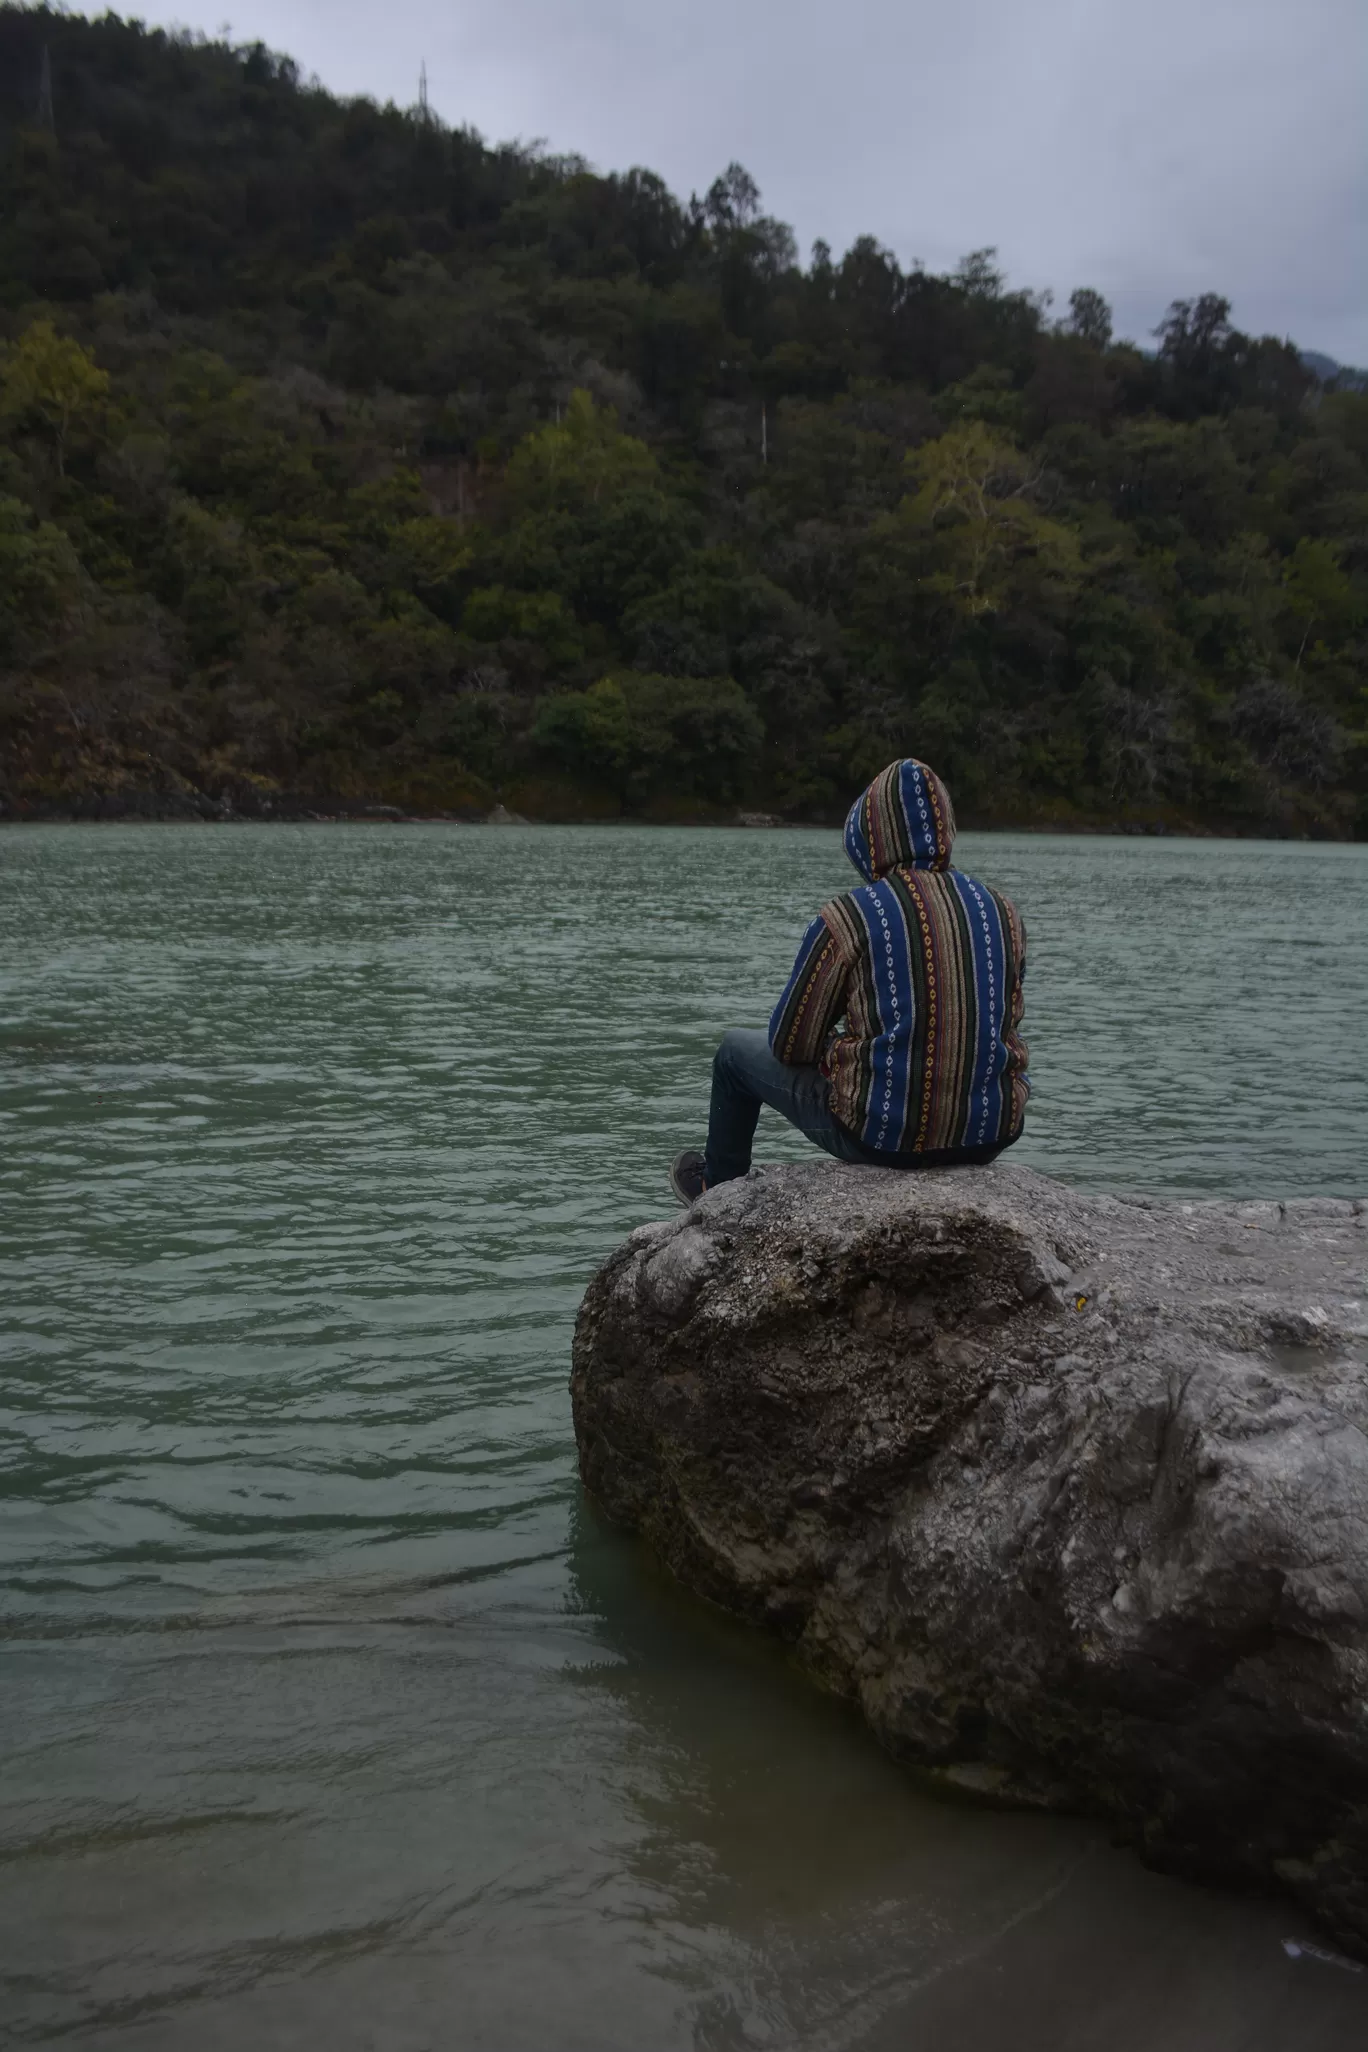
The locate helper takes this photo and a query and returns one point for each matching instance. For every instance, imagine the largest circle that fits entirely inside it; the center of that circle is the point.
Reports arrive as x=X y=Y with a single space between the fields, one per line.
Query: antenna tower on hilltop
x=424 y=113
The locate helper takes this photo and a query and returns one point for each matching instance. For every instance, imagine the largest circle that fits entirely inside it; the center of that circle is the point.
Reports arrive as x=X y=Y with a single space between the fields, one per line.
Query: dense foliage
x=344 y=457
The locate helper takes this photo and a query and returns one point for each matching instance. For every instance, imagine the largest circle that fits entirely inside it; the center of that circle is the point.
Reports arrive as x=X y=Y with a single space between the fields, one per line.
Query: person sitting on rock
x=896 y=1042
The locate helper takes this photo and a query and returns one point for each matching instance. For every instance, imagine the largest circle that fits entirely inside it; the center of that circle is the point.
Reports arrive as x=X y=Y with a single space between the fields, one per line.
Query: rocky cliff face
x=1070 y=1493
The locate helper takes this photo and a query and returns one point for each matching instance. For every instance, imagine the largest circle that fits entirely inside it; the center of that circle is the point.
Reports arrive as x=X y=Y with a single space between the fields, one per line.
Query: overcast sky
x=1151 y=148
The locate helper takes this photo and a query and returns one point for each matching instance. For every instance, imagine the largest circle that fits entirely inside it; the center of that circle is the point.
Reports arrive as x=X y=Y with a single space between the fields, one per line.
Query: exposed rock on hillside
x=1070 y=1493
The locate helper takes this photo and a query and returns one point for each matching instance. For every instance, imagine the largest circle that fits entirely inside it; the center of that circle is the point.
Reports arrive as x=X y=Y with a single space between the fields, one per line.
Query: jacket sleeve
x=813 y=1000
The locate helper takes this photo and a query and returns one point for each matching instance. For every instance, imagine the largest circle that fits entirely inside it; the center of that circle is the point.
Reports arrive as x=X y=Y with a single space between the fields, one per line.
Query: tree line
x=347 y=460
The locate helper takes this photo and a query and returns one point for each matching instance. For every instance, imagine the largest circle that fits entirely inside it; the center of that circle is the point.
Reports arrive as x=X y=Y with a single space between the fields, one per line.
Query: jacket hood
x=904 y=820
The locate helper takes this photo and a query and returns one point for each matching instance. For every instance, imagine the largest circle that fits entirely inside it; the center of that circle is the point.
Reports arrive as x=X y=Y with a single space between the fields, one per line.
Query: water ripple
x=333 y=1713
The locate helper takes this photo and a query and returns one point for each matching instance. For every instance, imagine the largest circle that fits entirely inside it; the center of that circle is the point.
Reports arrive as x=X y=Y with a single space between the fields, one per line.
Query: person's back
x=896 y=1041
x=926 y=965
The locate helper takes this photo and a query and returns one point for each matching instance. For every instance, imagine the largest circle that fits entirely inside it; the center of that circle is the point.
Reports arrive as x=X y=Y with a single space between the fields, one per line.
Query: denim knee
x=734 y=1048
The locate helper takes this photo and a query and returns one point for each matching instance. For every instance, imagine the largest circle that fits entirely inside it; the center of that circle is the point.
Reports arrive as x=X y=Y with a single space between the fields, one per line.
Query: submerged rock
x=1069 y=1493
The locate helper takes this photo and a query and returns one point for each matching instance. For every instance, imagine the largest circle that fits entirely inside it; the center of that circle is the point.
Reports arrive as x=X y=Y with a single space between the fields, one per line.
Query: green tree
x=50 y=383
x=579 y=460
x=974 y=503
x=690 y=737
x=40 y=576
x=1090 y=317
x=1320 y=594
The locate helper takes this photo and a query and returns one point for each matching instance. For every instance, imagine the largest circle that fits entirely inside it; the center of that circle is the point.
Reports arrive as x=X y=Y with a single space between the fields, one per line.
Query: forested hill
x=346 y=460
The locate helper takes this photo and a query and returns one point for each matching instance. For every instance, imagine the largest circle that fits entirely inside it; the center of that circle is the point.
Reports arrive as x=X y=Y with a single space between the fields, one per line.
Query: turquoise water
x=334 y=1714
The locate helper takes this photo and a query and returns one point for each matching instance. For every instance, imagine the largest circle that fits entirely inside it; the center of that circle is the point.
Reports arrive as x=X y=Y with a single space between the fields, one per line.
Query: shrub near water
x=342 y=456
x=653 y=737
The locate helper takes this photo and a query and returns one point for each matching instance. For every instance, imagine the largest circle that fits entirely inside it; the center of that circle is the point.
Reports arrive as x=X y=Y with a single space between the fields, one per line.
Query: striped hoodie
x=907 y=990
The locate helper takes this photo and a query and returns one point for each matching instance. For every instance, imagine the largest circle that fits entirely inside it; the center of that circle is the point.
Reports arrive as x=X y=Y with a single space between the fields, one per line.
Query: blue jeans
x=746 y=1075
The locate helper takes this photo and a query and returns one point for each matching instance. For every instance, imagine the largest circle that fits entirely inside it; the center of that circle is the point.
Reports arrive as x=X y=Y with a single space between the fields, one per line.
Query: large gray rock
x=1070 y=1493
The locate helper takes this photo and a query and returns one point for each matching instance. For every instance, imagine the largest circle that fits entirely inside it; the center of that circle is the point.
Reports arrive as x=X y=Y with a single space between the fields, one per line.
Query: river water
x=333 y=1714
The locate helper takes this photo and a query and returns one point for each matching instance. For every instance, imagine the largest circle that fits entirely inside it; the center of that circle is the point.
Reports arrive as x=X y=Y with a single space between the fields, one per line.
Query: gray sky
x=1154 y=149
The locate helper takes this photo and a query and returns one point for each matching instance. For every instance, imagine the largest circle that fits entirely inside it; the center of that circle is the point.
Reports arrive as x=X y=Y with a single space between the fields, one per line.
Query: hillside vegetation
x=345 y=459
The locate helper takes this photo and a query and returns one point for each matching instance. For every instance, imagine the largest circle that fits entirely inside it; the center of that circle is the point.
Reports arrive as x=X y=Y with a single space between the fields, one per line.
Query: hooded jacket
x=907 y=990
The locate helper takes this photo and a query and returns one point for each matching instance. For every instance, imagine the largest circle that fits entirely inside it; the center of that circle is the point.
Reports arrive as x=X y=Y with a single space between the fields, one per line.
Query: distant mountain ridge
x=1327 y=371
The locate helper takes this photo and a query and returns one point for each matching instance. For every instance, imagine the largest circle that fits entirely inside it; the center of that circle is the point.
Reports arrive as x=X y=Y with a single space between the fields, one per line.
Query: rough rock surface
x=1070 y=1492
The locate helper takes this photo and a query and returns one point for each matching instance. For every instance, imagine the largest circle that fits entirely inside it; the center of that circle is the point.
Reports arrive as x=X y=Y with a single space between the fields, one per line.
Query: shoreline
x=1106 y=832
x=379 y=816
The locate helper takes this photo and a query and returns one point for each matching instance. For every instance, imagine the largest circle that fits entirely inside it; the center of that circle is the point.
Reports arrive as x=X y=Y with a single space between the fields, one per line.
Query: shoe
x=687 y=1177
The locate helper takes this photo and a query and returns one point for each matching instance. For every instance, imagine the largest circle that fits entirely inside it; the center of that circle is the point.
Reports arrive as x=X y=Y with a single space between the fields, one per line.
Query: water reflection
x=869 y=1915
